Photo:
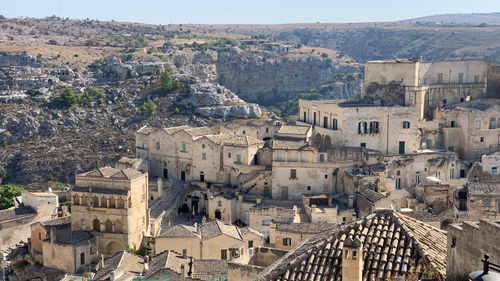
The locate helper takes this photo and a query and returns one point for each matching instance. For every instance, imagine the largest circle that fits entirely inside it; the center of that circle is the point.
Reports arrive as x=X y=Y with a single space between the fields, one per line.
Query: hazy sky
x=250 y=11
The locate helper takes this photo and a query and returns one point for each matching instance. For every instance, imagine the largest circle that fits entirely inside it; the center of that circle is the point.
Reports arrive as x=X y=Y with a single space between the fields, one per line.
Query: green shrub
x=7 y=194
x=66 y=99
x=166 y=81
x=150 y=107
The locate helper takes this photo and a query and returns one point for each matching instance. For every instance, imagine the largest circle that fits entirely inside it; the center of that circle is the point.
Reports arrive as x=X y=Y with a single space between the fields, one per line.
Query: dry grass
x=86 y=55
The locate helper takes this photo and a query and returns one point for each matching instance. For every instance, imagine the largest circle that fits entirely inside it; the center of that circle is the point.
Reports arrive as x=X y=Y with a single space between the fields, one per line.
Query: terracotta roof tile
x=393 y=245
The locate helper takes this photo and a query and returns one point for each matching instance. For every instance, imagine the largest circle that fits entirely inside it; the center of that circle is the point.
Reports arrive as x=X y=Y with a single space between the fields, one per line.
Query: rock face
x=215 y=101
x=265 y=76
x=18 y=60
x=115 y=68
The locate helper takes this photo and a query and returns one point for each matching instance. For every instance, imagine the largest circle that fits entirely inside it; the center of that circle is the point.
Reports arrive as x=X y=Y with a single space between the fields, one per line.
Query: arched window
x=95 y=202
x=109 y=226
x=325 y=122
x=121 y=203
x=334 y=125
x=362 y=128
x=104 y=202
x=374 y=127
x=76 y=200
x=118 y=226
x=84 y=201
x=406 y=125
x=96 y=225
x=112 y=202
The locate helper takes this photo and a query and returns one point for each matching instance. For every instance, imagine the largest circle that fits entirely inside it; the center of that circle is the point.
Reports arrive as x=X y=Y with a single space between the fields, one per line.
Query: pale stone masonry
x=468 y=242
x=113 y=205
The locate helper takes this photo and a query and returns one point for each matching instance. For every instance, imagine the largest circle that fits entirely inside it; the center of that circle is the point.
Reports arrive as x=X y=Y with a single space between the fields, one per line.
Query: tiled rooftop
x=167 y=259
x=371 y=195
x=305 y=228
x=57 y=223
x=110 y=172
x=73 y=237
x=215 y=228
x=294 y=130
x=130 y=263
x=14 y=213
x=291 y=143
x=394 y=245
x=209 y=269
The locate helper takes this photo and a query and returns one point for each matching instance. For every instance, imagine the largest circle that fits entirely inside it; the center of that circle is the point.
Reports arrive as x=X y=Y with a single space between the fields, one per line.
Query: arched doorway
x=96 y=225
x=109 y=226
x=218 y=214
x=327 y=142
x=202 y=176
x=113 y=247
x=317 y=140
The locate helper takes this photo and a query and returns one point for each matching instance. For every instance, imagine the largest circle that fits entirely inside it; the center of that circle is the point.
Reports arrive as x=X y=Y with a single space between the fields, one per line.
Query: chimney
x=352 y=260
x=101 y=261
x=52 y=235
x=159 y=183
x=184 y=253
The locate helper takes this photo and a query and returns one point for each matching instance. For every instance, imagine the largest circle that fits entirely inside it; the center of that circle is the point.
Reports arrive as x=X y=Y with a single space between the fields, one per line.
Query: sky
x=243 y=12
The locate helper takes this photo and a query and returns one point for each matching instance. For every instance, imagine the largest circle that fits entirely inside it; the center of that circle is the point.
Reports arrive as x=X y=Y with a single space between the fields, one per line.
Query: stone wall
x=467 y=244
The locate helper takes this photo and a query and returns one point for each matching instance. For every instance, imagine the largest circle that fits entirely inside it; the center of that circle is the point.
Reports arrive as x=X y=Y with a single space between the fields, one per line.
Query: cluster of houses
x=401 y=184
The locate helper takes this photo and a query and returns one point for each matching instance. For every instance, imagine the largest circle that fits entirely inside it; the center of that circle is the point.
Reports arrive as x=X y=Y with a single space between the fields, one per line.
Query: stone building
x=426 y=85
x=41 y=231
x=392 y=246
x=71 y=252
x=467 y=244
x=287 y=236
x=31 y=207
x=258 y=129
x=247 y=268
x=470 y=128
x=212 y=240
x=113 y=205
x=386 y=127
x=483 y=201
x=198 y=154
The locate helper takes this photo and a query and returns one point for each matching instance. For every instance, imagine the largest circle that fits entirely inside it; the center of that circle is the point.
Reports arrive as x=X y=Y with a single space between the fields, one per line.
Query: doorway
x=202 y=177
x=165 y=173
x=183 y=176
x=82 y=258
x=401 y=147
x=218 y=215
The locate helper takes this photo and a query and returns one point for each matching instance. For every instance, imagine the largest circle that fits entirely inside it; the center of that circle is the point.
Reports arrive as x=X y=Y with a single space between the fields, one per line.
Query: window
x=374 y=127
x=238 y=158
x=453 y=242
x=326 y=176
x=183 y=147
x=322 y=157
x=344 y=219
x=267 y=130
x=334 y=125
x=82 y=223
x=478 y=125
x=417 y=178
x=438 y=174
x=266 y=222
x=346 y=254
x=452 y=174
x=287 y=241
x=354 y=255
x=39 y=236
x=383 y=81
x=363 y=144
x=243 y=132
x=229 y=155
x=157 y=145
x=362 y=128
x=481 y=139
x=493 y=170
x=204 y=156
x=444 y=101
x=406 y=125
x=325 y=122
x=398 y=173
x=305 y=116
x=250 y=243
x=452 y=124
x=314 y=119
x=293 y=173
x=308 y=187
x=460 y=78
x=440 y=78
x=451 y=148
x=476 y=79
x=203 y=146
x=223 y=254
x=220 y=203
x=492 y=123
